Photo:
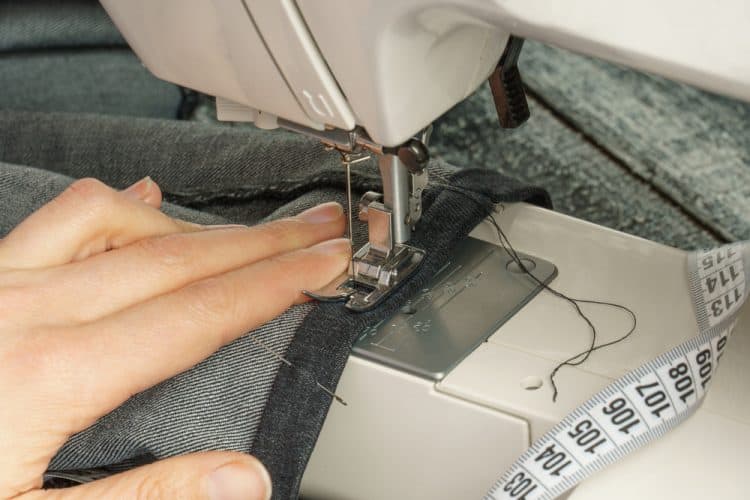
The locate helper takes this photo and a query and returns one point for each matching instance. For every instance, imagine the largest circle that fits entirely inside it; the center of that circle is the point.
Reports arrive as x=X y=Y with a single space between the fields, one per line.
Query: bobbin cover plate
x=468 y=299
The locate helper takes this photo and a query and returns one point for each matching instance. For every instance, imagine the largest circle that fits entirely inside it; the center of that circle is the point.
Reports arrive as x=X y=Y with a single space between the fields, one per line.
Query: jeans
x=241 y=398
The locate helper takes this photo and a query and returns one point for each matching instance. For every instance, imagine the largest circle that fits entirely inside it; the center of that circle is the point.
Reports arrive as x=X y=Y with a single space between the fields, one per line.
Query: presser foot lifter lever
x=386 y=261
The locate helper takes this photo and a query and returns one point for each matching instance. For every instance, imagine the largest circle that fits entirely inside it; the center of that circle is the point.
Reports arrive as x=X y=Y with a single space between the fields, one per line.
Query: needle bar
x=349 y=200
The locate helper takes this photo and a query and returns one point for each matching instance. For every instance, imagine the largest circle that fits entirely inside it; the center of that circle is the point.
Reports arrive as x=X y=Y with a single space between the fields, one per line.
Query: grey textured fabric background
x=53 y=24
x=95 y=80
x=620 y=148
x=67 y=55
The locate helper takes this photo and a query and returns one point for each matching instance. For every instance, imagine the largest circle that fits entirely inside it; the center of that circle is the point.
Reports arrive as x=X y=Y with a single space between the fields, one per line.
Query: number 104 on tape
x=647 y=402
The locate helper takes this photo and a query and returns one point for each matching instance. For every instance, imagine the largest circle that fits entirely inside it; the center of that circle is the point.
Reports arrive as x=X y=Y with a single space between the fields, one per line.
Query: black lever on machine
x=507 y=87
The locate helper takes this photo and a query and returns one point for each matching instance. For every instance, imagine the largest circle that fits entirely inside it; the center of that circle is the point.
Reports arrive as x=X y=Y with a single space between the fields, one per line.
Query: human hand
x=103 y=293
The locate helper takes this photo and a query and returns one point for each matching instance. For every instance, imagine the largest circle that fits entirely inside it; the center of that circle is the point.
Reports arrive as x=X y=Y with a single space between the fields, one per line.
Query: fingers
x=208 y=475
x=136 y=348
x=155 y=266
x=87 y=218
x=145 y=190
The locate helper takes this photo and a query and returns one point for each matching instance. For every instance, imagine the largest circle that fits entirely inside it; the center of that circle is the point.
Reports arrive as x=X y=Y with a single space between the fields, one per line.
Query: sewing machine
x=368 y=77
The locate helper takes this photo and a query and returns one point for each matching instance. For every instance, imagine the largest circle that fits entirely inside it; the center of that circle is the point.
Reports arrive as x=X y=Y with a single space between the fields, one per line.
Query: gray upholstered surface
x=34 y=24
x=582 y=180
x=103 y=80
x=692 y=145
x=620 y=148
x=68 y=56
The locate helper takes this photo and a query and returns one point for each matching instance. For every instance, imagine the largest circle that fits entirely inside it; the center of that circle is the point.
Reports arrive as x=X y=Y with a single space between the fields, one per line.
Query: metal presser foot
x=385 y=261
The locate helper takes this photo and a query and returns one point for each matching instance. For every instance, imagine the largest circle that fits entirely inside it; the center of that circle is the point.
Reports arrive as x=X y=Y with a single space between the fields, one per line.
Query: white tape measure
x=647 y=402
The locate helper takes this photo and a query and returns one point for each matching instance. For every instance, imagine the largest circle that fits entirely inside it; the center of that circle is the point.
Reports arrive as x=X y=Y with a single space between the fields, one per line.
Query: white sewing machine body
x=393 y=66
x=386 y=69
x=405 y=437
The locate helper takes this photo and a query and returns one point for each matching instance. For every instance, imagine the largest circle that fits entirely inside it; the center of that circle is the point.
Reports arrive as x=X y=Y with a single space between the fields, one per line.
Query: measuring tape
x=647 y=402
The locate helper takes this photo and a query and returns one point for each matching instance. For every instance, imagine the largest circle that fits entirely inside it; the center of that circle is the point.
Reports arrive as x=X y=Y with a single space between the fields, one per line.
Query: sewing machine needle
x=349 y=201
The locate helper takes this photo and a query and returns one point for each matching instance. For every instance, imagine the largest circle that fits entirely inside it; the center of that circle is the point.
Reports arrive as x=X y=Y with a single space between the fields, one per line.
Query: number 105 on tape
x=647 y=402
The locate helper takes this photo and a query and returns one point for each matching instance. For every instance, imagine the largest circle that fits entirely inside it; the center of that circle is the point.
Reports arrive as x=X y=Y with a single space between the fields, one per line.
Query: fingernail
x=334 y=247
x=224 y=226
x=327 y=212
x=240 y=481
x=140 y=189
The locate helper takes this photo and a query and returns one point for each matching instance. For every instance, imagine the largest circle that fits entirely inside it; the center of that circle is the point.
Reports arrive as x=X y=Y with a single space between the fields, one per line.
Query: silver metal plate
x=470 y=298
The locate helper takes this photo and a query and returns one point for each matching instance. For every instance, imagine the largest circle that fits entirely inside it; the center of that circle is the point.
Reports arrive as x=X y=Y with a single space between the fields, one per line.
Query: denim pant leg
x=241 y=398
x=215 y=405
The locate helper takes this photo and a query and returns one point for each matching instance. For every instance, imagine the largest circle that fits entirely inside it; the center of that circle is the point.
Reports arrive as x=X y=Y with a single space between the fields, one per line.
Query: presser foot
x=386 y=261
x=372 y=277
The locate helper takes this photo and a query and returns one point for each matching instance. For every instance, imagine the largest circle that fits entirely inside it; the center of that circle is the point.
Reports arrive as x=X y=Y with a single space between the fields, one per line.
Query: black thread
x=506 y=245
x=305 y=373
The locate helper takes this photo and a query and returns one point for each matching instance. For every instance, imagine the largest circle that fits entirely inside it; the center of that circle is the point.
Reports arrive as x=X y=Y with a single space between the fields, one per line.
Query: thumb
x=207 y=475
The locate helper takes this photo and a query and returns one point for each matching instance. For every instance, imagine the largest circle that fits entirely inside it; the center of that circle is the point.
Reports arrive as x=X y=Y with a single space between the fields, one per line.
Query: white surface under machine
x=367 y=77
x=405 y=437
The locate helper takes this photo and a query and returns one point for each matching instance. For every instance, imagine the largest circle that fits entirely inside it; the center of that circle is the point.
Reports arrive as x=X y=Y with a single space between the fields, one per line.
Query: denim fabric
x=197 y=164
x=24 y=189
x=239 y=398
x=295 y=414
x=68 y=56
x=41 y=24
x=85 y=81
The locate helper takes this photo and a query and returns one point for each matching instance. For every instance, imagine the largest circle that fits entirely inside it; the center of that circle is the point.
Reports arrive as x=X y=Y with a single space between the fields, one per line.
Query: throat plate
x=470 y=298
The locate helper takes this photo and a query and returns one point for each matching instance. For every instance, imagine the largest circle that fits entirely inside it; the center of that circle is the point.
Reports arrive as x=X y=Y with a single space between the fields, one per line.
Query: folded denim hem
x=294 y=417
